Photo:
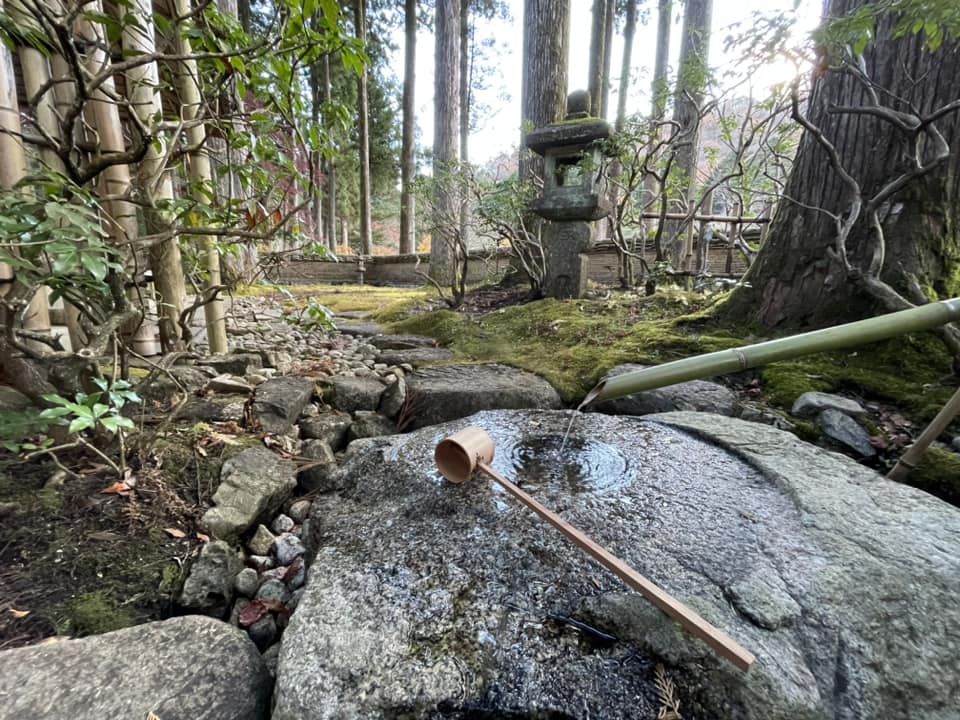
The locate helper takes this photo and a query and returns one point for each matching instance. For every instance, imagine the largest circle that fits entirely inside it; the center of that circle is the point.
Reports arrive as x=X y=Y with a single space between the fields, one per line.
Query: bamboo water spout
x=862 y=332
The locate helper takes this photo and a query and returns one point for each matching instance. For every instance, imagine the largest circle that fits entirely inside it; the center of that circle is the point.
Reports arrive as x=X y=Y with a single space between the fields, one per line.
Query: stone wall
x=403 y=269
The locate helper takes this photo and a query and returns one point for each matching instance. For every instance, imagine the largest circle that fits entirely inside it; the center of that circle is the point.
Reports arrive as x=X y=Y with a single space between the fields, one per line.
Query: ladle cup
x=459 y=455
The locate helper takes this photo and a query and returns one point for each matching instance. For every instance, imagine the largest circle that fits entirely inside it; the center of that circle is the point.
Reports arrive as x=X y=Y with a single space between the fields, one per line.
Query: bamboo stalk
x=693 y=623
x=201 y=175
x=912 y=457
x=862 y=332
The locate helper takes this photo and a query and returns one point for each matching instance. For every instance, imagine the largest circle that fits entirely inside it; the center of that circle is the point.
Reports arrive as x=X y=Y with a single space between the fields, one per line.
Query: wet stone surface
x=435 y=600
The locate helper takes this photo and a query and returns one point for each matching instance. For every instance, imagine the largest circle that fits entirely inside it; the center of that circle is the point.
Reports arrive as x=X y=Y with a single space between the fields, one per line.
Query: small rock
x=208 y=588
x=277 y=573
x=355 y=393
x=282 y=524
x=299 y=510
x=287 y=548
x=273 y=590
x=262 y=541
x=260 y=563
x=393 y=398
x=271 y=656
x=228 y=384
x=234 y=363
x=368 y=424
x=296 y=574
x=295 y=599
x=846 y=431
x=320 y=477
x=279 y=401
x=263 y=632
x=330 y=427
x=238 y=606
x=256 y=379
x=309 y=411
x=247 y=582
x=811 y=403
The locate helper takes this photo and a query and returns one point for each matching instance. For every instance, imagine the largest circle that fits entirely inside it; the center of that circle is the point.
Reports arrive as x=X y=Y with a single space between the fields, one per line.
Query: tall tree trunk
x=466 y=66
x=446 y=125
x=629 y=30
x=333 y=230
x=201 y=178
x=598 y=37
x=797 y=281
x=155 y=181
x=660 y=91
x=407 y=167
x=366 y=238
x=608 y=20
x=688 y=99
x=546 y=39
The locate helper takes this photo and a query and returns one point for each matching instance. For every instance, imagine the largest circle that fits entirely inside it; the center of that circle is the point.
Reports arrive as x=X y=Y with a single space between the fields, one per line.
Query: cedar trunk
x=446 y=128
x=366 y=237
x=546 y=39
x=407 y=166
x=795 y=282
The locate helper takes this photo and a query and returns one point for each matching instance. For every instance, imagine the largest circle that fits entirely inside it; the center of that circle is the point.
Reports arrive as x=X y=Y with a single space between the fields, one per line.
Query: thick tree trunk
x=598 y=36
x=688 y=98
x=407 y=166
x=546 y=39
x=446 y=125
x=466 y=64
x=333 y=231
x=363 y=111
x=797 y=281
x=607 y=57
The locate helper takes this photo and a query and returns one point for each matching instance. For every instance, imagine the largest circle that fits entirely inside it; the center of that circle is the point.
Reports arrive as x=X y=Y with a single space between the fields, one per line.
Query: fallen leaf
x=53 y=639
x=19 y=614
x=200 y=451
x=117 y=488
x=252 y=613
x=276 y=606
x=104 y=535
x=203 y=538
x=174 y=533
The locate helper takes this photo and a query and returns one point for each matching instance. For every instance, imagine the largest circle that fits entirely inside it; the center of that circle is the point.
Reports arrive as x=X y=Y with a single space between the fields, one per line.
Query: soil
x=78 y=558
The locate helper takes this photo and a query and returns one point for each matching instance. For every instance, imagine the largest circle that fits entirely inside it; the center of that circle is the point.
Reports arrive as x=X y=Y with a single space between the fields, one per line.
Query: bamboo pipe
x=862 y=332
x=458 y=455
x=912 y=457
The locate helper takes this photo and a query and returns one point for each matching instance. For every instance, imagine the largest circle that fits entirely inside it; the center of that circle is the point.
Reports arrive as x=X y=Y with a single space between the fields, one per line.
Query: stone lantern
x=574 y=195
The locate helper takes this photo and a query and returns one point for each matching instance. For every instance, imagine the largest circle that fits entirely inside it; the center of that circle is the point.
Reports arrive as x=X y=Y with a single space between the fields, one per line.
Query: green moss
x=171 y=579
x=938 y=474
x=443 y=325
x=808 y=431
x=905 y=371
x=92 y=613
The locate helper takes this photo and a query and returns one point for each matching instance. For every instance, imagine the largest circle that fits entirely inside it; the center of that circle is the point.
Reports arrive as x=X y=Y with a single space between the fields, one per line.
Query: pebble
x=287 y=548
x=273 y=590
x=282 y=524
x=299 y=510
x=262 y=541
x=263 y=632
x=247 y=582
x=260 y=563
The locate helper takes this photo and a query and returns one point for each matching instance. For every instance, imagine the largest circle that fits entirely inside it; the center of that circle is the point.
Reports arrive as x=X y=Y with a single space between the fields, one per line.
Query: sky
x=498 y=129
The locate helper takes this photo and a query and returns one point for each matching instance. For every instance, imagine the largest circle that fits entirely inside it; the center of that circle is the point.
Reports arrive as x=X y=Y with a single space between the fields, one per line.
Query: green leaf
x=116 y=422
x=94 y=265
x=80 y=423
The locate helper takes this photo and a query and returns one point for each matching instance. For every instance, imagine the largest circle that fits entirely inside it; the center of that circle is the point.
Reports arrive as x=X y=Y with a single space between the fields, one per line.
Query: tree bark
x=688 y=99
x=797 y=281
x=446 y=124
x=363 y=111
x=333 y=231
x=598 y=36
x=629 y=30
x=408 y=144
x=466 y=65
x=546 y=40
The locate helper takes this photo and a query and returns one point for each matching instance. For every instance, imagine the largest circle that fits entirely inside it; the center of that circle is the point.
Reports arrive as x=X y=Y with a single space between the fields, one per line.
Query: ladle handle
x=717 y=639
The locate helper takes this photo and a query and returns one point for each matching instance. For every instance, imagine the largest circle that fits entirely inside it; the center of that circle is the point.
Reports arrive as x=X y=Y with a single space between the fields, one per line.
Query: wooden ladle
x=460 y=454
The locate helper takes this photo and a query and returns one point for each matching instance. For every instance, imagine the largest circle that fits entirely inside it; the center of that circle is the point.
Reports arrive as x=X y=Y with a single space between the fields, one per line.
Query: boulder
x=812 y=403
x=430 y=599
x=446 y=393
x=699 y=395
x=175 y=381
x=12 y=400
x=222 y=408
x=416 y=357
x=317 y=477
x=209 y=586
x=253 y=486
x=278 y=402
x=350 y=394
x=330 y=427
x=359 y=329
x=227 y=384
x=186 y=667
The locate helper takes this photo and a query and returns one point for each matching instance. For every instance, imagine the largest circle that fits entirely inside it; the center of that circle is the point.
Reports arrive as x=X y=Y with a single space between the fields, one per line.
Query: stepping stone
x=402 y=342
x=187 y=667
x=448 y=393
x=417 y=357
x=359 y=329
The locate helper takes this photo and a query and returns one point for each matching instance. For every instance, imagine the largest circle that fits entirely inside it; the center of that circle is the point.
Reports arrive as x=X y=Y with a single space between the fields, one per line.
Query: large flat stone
x=278 y=402
x=187 y=668
x=428 y=595
x=446 y=393
x=418 y=357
